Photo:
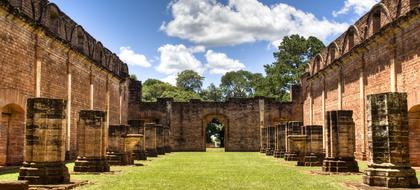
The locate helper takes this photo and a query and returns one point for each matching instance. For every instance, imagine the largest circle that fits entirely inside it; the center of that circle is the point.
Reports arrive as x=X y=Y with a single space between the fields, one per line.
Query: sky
x=160 y=38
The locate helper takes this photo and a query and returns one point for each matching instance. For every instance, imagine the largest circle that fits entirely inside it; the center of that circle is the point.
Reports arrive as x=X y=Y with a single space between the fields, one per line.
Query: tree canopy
x=189 y=80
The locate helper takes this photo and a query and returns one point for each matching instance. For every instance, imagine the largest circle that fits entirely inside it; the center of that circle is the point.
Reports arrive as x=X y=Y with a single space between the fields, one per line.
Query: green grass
x=213 y=170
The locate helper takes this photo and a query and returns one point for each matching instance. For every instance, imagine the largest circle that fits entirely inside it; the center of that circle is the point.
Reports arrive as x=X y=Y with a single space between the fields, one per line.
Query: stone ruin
x=166 y=136
x=44 y=147
x=263 y=139
x=137 y=127
x=160 y=139
x=269 y=151
x=150 y=139
x=340 y=142
x=280 y=141
x=296 y=147
x=91 y=141
x=292 y=128
x=389 y=163
x=116 y=145
x=314 y=153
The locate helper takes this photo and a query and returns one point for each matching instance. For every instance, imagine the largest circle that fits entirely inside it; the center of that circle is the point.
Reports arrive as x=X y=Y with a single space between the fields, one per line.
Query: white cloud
x=219 y=63
x=176 y=58
x=208 y=22
x=359 y=7
x=132 y=58
x=171 y=79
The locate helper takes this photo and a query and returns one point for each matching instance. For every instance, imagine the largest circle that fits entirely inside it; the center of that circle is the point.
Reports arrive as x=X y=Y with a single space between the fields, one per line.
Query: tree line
x=293 y=53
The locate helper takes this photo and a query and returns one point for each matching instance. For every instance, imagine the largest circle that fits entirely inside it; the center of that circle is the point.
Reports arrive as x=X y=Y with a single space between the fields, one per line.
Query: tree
x=189 y=80
x=239 y=83
x=293 y=54
x=212 y=93
x=216 y=129
x=154 y=89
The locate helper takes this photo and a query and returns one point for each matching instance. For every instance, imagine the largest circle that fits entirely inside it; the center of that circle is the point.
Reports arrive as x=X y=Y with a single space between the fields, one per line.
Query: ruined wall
x=44 y=53
x=379 y=53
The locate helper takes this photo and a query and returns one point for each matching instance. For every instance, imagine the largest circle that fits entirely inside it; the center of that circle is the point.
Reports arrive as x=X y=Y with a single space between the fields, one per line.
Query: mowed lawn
x=212 y=170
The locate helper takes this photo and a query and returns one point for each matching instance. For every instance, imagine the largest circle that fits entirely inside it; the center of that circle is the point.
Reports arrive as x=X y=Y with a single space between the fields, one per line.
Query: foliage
x=189 y=80
x=212 y=93
x=239 y=84
x=154 y=89
x=216 y=129
x=133 y=76
x=293 y=54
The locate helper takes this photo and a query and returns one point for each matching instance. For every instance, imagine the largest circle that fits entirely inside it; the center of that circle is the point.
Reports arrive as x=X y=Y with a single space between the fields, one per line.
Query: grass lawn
x=213 y=170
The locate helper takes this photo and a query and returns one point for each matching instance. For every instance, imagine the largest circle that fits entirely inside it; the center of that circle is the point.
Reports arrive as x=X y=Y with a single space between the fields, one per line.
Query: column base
x=140 y=155
x=161 y=150
x=151 y=153
x=91 y=165
x=262 y=150
x=44 y=173
x=289 y=156
x=120 y=159
x=269 y=152
x=348 y=164
x=278 y=153
x=311 y=160
x=390 y=177
x=168 y=149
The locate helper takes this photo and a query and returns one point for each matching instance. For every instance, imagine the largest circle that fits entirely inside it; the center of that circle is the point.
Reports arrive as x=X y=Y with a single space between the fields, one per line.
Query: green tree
x=240 y=83
x=154 y=89
x=189 y=80
x=212 y=93
x=292 y=56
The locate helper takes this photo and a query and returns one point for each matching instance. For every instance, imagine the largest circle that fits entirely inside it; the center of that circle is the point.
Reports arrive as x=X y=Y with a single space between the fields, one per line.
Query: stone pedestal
x=314 y=154
x=131 y=143
x=45 y=147
x=115 y=154
x=340 y=142
x=292 y=128
x=270 y=140
x=150 y=139
x=280 y=141
x=389 y=164
x=297 y=146
x=263 y=135
x=160 y=139
x=167 y=142
x=137 y=127
x=91 y=145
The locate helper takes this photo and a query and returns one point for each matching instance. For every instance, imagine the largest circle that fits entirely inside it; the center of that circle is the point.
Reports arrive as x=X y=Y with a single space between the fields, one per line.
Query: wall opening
x=215 y=134
x=12 y=130
x=414 y=135
x=376 y=22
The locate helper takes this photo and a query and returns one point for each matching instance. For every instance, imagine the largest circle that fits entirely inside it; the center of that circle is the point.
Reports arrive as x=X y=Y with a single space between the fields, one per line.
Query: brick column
x=131 y=143
x=270 y=141
x=280 y=141
x=340 y=142
x=160 y=139
x=389 y=164
x=263 y=133
x=150 y=139
x=314 y=154
x=115 y=152
x=45 y=143
x=137 y=127
x=91 y=145
x=297 y=146
x=292 y=128
x=167 y=142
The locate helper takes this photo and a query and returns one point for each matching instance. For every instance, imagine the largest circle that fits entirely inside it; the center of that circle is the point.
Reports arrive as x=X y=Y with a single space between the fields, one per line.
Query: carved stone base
x=340 y=165
x=119 y=159
x=391 y=177
x=289 y=156
x=140 y=155
x=278 y=154
x=311 y=160
x=262 y=150
x=91 y=165
x=168 y=149
x=161 y=150
x=269 y=152
x=44 y=173
x=151 y=153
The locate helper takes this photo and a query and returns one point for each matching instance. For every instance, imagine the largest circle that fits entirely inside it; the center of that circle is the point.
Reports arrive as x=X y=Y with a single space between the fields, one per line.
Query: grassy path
x=212 y=170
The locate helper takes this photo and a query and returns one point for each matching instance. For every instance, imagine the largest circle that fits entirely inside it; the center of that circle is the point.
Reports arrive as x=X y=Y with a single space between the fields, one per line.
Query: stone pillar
x=340 y=142
x=167 y=142
x=270 y=141
x=137 y=127
x=280 y=141
x=297 y=146
x=292 y=128
x=160 y=139
x=91 y=144
x=263 y=133
x=389 y=164
x=131 y=143
x=45 y=143
x=150 y=139
x=115 y=153
x=314 y=152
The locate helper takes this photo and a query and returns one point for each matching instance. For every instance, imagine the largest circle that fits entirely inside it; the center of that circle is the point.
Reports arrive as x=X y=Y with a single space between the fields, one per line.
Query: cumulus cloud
x=209 y=22
x=132 y=58
x=359 y=7
x=220 y=63
x=176 y=58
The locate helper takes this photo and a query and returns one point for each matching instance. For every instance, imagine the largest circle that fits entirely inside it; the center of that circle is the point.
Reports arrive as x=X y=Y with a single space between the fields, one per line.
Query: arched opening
x=376 y=22
x=215 y=134
x=414 y=134
x=12 y=133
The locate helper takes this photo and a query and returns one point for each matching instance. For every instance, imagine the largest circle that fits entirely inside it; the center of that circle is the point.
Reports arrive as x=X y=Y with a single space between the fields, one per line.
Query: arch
x=52 y=20
x=12 y=128
x=124 y=70
x=414 y=134
x=317 y=64
x=378 y=17
x=78 y=39
x=223 y=119
x=352 y=37
x=98 y=53
x=333 y=53
x=38 y=9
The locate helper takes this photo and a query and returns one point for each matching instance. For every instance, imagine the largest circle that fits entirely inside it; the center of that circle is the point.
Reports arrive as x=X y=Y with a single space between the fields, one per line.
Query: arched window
x=376 y=21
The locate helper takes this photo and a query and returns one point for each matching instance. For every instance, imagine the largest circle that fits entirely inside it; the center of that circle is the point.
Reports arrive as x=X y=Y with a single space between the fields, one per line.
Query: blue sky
x=159 y=38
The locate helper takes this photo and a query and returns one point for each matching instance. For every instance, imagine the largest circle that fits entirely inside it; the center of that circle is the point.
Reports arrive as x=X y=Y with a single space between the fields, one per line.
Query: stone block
x=45 y=147
x=116 y=154
x=14 y=185
x=292 y=128
x=297 y=147
x=263 y=136
x=270 y=141
x=150 y=139
x=160 y=139
x=389 y=164
x=280 y=141
x=167 y=142
x=314 y=154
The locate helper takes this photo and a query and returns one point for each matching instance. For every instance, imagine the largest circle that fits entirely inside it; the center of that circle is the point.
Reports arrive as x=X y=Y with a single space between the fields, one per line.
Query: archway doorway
x=414 y=134
x=215 y=132
x=12 y=133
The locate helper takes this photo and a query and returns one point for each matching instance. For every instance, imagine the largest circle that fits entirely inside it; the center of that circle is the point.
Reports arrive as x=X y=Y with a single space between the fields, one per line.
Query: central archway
x=218 y=123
